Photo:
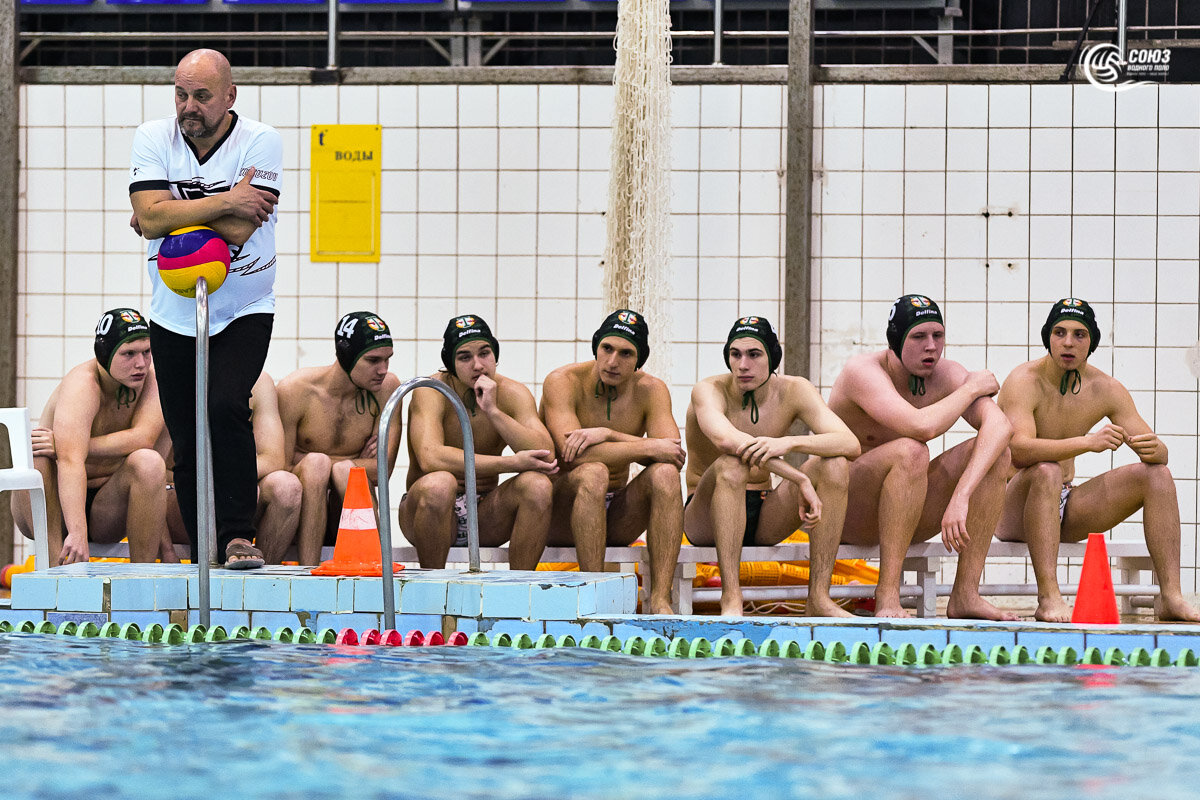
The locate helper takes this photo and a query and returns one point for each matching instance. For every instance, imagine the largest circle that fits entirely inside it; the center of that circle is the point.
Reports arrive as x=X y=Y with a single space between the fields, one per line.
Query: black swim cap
x=461 y=330
x=1075 y=309
x=114 y=329
x=629 y=325
x=356 y=333
x=908 y=312
x=756 y=328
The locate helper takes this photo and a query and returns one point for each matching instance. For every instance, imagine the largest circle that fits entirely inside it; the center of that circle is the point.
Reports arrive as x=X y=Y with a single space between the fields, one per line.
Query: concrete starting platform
x=275 y=597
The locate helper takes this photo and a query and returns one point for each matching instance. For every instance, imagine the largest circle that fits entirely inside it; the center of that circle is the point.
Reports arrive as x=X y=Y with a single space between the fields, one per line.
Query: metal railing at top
x=333 y=35
x=385 y=521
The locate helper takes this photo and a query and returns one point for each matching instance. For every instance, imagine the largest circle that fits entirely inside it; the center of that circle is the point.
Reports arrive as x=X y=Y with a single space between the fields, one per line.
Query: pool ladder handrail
x=385 y=522
x=206 y=532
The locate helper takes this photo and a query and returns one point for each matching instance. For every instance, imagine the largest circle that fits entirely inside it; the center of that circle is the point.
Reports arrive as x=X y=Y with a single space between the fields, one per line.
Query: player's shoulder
x=511 y=387
x=300 y=380
x=650 y=392
x=717 y=382
x=647 y=383
x=83 y=376
x=1024 y=375
x=564 y=377
x=794 y=383
x=1107 y=383
x=863 y=364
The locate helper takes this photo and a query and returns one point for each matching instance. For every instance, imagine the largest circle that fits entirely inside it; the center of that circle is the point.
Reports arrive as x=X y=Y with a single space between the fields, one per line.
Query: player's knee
x=535 y=489
x=435 y=492
x=147 y=467
x=912 y=456
x=664 y=479
x=591 y=479
x=283 y=488
x=1157 y=477
x=340 y=472
x=314 y=469
x=1046 y=474
x=729 y=470
x=833 y=474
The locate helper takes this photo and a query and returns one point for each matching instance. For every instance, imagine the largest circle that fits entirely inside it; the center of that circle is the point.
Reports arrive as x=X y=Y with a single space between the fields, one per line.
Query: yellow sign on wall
x=344 y=201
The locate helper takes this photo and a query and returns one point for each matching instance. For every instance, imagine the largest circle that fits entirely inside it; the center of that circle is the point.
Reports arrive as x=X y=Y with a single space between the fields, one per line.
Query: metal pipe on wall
x=798 y=218
x=10 y=181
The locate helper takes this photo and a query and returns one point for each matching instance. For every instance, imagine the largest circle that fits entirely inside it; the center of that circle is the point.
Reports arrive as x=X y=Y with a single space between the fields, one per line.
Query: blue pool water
x=103 y=718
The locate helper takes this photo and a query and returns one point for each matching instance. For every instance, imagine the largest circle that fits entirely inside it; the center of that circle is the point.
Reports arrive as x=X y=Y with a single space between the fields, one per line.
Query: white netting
x=637 y=265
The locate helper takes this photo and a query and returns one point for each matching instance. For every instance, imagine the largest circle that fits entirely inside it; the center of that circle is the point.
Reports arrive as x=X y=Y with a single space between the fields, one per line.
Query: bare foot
x=977 y=608
x=659 y=606
x=892 y=611
x=823 y=607
x=1175 y=609
x=1053 y=610
x=731 y=602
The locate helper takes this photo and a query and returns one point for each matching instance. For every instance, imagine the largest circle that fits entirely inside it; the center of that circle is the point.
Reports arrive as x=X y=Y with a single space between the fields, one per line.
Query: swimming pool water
x=103 y=718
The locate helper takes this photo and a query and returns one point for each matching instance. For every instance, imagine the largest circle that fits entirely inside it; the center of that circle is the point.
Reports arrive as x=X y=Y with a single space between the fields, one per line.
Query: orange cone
x=1095 y=603
x=356 y=551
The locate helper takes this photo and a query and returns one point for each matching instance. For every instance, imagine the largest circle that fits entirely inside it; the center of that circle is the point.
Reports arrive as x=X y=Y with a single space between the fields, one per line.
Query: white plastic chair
x=22 y=476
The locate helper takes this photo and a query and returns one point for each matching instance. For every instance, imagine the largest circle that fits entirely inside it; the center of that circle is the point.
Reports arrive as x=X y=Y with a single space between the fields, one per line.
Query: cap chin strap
x=469 y=398
x=748 y=399
x=126 y=396
x=916 y=385
x=609 y=392
x=1070 y=380
x=365 y=402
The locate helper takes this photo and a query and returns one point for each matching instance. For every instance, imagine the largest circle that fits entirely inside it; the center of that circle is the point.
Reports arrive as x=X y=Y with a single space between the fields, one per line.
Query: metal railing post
x=385 y=520
x=206 y=546
x=331 y=41
x=1122 y=22
x=718 y=29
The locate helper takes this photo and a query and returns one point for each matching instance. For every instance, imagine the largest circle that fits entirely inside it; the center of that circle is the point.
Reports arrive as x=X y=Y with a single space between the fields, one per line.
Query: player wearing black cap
x=1054 y=402
x=605 y=415
x=330 y=419
x=895 y=401
x=433 y=512
x=738 y=427
x=102 y=476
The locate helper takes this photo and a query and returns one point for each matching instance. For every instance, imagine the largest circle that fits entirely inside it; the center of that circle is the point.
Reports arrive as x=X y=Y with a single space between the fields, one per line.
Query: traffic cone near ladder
x=356 y=551
x=1095 y=603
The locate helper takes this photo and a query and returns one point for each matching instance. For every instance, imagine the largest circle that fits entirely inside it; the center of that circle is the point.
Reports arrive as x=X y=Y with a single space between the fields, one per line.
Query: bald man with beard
x=206 y=165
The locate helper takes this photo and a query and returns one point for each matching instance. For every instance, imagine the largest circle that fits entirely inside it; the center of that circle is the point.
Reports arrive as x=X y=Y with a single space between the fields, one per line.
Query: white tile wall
x=996 y=200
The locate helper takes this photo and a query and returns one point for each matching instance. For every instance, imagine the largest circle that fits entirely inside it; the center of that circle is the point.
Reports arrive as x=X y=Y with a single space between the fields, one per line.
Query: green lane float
x=649 y=645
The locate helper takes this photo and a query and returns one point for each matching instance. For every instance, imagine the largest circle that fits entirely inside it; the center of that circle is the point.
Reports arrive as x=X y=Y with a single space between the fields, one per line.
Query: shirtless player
x=896 y=401
x=330 y=423
x=1053 y=402
x=737 y=435
x=605 y=415
x=94 y=446
x=433 y=512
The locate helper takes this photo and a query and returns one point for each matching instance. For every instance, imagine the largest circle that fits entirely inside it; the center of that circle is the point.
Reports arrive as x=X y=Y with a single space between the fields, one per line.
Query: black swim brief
x=754 y=502
x=87 y=506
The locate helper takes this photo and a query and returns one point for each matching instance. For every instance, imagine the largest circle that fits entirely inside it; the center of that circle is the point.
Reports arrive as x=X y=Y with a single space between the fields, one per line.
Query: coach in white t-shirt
x=208 y=166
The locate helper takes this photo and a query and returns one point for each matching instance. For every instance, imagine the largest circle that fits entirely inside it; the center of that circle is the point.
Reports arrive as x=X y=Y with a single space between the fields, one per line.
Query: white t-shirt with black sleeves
x=163 y=158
